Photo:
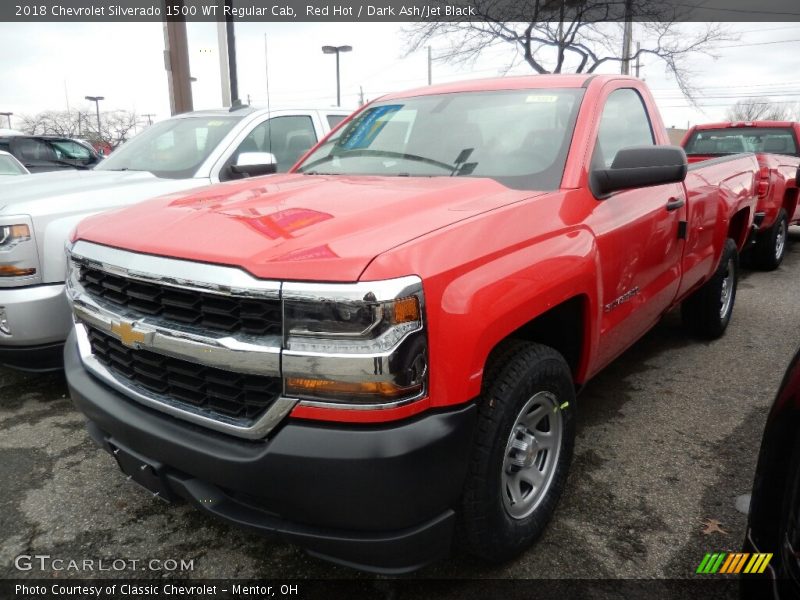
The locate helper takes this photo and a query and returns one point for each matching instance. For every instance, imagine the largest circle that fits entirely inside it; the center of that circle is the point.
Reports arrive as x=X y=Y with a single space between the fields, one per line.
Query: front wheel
x=526 y=433
x=771 y=244
x=708 y=311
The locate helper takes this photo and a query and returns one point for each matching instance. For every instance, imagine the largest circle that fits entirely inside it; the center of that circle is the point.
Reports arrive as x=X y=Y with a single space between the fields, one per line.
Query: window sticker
x=541 y=99
x=367 y=127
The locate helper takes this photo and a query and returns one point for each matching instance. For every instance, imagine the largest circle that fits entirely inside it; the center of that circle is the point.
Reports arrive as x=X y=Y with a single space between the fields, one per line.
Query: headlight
x=11 y=235
x=355 y=344
x=19 y=257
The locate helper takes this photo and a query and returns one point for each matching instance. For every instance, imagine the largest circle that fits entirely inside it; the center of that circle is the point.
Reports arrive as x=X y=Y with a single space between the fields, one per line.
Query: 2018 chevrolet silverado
x=775 y=144
x=384 y=345
x=187 y=151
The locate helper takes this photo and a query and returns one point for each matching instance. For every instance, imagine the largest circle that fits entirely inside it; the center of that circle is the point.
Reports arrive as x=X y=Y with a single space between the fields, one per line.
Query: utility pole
x=176 y=62
x=149 y=118
x=360 y=96
x=224 y=74
x=232 y=55
x=626 y=38
x=638 y=62
x=430 y=67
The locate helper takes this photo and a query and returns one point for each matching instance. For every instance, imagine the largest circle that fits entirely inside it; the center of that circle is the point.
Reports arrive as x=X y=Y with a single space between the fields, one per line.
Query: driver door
x=636 y=231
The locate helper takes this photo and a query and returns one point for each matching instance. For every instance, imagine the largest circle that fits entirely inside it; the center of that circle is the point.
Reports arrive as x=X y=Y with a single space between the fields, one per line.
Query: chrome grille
x=220 y=392
x=253 y=316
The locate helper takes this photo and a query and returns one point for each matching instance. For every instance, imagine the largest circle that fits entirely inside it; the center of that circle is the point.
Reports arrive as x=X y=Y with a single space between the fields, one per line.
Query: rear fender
x=736 y=203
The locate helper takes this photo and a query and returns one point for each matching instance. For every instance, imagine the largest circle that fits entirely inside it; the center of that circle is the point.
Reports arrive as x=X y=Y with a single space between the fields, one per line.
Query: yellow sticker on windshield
x=215 y=123
x=541 y=98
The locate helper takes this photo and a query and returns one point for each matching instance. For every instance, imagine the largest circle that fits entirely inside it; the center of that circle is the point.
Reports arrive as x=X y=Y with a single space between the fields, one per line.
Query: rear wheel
x=708 y=311
x=771 y=244
x=526 y=433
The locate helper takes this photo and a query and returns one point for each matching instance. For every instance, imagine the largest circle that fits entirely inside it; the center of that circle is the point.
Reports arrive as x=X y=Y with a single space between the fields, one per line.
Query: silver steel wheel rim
x=531 y=454
x=726 y=295
x=780 y=240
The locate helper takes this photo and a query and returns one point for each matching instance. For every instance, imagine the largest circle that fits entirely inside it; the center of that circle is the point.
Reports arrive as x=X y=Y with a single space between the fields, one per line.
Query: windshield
x=9 y=166
x=519 y=138
x=734 y=140
x=173 y=149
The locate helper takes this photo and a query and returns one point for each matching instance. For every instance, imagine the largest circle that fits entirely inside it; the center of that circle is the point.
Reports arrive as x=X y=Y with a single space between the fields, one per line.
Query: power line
x=758 y=44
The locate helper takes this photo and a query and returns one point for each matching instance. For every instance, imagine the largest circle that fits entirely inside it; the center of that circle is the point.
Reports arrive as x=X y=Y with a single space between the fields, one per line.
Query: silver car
x=38 y=212
x=11 y=166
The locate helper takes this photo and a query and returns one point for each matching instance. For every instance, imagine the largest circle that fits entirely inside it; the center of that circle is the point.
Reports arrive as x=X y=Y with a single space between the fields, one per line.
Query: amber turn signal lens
x=327 y=388
x=12 y=271
x=406 y=310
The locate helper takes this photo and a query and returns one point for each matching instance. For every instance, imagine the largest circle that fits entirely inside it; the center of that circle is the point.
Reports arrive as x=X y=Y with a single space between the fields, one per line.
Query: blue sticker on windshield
x=362 y=133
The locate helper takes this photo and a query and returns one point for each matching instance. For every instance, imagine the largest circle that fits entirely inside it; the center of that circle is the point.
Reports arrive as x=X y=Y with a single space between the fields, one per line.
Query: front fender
x=490 y=302
x=53 y=234
x=489 y=289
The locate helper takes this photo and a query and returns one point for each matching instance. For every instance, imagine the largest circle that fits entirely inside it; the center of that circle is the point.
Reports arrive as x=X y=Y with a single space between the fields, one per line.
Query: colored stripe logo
x=733 y=563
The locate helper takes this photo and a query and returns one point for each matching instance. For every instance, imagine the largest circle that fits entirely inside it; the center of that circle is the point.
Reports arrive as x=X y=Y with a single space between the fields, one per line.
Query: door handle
x=675 y=204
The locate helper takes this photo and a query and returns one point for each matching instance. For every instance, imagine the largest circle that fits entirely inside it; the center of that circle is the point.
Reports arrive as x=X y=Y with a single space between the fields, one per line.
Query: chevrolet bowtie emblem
x=127 y=335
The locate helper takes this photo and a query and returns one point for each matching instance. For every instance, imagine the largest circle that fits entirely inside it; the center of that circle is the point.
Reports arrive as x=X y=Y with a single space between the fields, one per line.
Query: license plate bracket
x=146 y=473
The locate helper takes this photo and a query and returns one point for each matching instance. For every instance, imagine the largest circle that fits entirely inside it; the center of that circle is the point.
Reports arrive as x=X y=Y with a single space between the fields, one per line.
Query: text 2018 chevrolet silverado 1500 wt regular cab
x=391 y=335
x=776 y=146
x=177 y=154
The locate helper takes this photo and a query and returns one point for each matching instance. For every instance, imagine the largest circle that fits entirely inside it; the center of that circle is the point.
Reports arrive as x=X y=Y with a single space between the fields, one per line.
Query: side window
x=334 y=120
x=33 y=149
x=287 y=138
x=624 y=123
x=66 y=150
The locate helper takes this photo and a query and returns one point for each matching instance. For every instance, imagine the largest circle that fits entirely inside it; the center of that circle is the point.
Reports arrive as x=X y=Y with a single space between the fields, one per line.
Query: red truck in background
x=403 y=361
x=775 y=144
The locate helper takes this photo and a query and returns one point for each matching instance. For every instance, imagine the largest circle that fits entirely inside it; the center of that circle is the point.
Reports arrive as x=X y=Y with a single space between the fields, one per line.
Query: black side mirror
x=640 y=166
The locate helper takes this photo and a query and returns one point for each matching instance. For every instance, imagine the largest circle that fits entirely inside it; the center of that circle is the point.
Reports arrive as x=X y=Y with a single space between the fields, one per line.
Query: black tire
x=518 y=373
x=770 y=245
x=702 y=311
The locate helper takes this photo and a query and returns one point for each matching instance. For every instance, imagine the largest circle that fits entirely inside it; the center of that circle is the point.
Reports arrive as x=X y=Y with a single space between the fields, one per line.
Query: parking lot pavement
x=667 y=437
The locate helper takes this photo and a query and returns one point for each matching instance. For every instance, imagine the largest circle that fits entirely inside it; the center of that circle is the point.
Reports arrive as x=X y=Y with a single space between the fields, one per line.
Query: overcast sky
x=46 y=66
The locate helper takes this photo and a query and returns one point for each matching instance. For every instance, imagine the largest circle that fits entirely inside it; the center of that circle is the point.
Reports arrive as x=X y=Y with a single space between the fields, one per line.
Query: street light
x=96 y=100
x=337 y=50
x=7 y=116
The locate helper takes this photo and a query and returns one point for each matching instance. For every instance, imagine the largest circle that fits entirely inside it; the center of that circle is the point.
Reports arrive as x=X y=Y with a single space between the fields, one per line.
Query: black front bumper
x=378 y=498
x=36 y=359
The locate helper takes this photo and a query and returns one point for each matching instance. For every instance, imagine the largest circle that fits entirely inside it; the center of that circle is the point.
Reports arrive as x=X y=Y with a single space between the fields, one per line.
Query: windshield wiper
x=460 y=167
x=65 y=163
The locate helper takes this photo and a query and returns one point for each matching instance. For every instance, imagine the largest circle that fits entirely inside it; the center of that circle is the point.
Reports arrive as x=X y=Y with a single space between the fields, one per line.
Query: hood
x=300 y=227
x=73 y=190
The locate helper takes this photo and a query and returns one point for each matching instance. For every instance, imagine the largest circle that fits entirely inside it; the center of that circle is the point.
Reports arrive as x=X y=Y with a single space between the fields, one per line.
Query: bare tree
x=760 y=109
x=580 y=36
x=62 y=123
x=115 y=126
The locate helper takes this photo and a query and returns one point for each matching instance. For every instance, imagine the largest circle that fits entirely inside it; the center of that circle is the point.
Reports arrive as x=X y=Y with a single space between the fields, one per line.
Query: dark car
x=774 y=521
x=50 y=153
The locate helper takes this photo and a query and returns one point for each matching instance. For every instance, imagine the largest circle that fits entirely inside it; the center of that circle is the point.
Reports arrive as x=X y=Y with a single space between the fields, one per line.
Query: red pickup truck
x=384 y=345
x=775 y=144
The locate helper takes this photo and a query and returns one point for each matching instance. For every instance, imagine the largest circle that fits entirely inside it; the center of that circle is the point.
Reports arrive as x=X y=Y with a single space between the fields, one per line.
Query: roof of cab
x=737 y=124
x=522 y=82
x=245 y=110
